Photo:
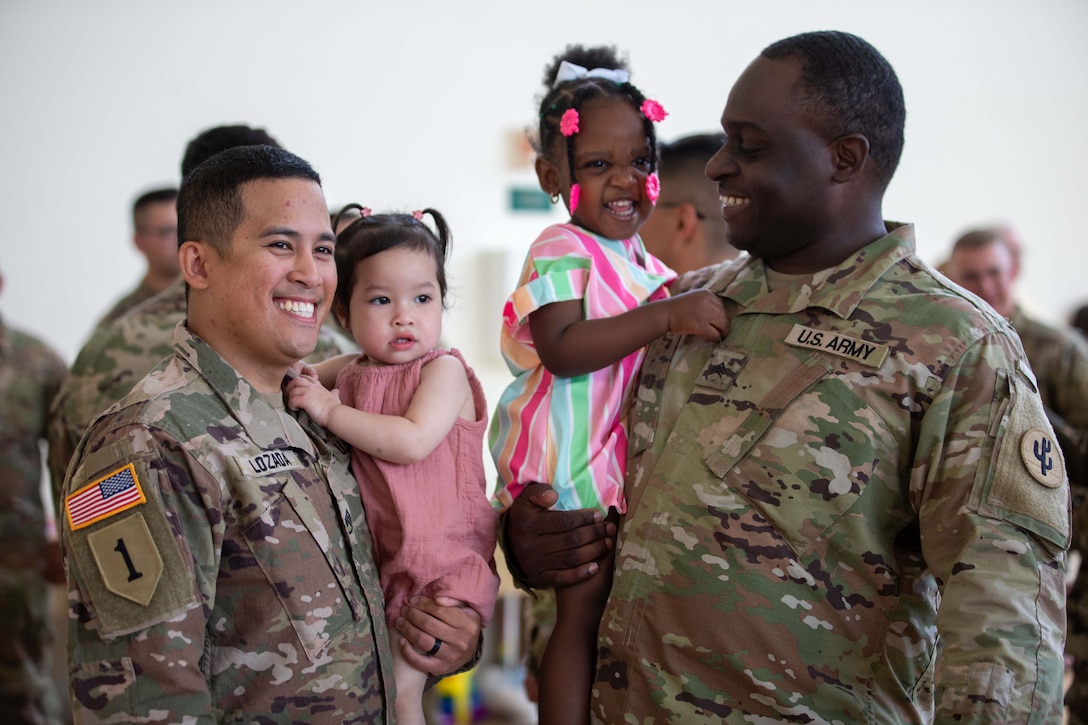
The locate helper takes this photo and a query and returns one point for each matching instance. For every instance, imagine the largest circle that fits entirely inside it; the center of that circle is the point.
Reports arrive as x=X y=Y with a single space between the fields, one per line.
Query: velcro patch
x=866 y=353
x=1040 y=455
x=268 y=463
x=108 y=496
x=127 y=558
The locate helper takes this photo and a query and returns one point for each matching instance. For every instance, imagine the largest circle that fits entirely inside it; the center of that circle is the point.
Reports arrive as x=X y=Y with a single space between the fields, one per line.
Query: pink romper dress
x=432 y=525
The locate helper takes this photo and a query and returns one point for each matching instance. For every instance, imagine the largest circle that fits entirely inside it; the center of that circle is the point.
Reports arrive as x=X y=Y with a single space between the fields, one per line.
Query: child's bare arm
x=443 y=395
x=569 y=345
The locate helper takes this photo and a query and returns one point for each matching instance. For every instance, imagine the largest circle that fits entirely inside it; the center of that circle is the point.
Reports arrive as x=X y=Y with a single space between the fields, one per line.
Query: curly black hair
x=557 y=99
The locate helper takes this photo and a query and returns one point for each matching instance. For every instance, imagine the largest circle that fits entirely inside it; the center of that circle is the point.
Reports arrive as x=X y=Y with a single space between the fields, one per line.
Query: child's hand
x=305 y=393
x=698 y=312
x=306 y=370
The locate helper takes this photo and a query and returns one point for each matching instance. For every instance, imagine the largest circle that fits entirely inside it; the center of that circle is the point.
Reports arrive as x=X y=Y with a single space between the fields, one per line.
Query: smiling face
x=774 y=173
x=261 y=304
x=989 y=272
x=611 y=163
x=395 y=313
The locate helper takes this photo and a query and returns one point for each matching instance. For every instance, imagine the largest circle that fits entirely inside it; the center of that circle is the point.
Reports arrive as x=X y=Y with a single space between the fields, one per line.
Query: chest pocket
x=652 y=396
x=292 y=547
x=801 y=446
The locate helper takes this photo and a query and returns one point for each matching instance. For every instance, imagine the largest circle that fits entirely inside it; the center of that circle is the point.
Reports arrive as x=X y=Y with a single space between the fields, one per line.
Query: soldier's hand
x=424 y=621
x=554 y=548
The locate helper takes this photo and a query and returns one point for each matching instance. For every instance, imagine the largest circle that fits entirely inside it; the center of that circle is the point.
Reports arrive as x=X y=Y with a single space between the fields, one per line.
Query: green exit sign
x=525 y=198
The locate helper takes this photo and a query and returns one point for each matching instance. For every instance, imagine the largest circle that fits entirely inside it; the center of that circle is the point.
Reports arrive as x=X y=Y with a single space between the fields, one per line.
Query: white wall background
x=413 y=103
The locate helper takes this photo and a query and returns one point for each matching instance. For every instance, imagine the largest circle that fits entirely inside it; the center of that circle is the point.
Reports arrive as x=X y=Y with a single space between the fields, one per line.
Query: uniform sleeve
x=141 y=582
x=993 y=500
x=61 y=447
x=1071 y=392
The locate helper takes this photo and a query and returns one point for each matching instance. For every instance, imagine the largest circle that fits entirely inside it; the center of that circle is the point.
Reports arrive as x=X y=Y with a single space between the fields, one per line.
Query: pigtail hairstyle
x=561 y=97
x=372 y=234
x=443 y=237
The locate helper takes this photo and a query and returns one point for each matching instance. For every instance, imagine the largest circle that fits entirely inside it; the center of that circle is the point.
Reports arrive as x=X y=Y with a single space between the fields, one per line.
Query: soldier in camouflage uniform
x=155 y=235
x=30 y=374
x=123 y=350
x=984 y=261
x=116 y=356
x=862 y=468
x=219 y=563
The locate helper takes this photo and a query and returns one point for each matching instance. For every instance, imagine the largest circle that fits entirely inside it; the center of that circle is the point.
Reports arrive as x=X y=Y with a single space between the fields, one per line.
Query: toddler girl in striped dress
x=589 y=299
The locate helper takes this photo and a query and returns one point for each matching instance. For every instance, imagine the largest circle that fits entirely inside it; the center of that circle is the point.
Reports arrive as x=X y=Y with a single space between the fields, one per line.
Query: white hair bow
x=572 y=72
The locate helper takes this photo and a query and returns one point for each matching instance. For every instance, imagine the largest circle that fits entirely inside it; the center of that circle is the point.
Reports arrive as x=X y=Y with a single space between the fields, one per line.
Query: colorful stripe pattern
x=570 y=432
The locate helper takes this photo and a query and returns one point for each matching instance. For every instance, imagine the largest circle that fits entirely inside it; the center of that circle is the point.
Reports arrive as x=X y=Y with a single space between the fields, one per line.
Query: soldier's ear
x=850 y=154
x=193 y=258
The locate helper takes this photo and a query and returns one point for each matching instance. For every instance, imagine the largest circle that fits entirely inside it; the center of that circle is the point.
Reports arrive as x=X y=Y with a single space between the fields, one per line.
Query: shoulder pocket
x=1027 y=485
x=130 y=568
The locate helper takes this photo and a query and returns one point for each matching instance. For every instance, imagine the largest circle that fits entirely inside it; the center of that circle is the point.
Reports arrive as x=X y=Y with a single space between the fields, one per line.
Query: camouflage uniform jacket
x=30 y=375
x=1059 y=359
x=136 y=297
x=863 y=464
x=237 y=583
x=115 y=357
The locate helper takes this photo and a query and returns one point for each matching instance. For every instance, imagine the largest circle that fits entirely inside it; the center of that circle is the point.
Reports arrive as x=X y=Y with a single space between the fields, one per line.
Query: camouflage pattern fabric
x=115 y=357
x=136 y=297
x=1076 y=699
x=1059 y=359
x=849 y=476
x=30 y=374
x=242 y=587
x=538 y=621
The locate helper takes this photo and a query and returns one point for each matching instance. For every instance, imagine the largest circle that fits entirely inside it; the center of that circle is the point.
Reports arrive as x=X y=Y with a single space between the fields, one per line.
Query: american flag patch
x=113 y=493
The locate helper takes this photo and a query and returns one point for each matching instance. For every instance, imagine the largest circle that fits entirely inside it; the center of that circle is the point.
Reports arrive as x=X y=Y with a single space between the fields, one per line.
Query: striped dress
x=570 y=432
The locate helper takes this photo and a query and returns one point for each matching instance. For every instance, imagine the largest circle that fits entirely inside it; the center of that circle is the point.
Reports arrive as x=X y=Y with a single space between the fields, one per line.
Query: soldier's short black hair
x=212 y=141
x=210 y=203
x=155 y=196
x=850 y=87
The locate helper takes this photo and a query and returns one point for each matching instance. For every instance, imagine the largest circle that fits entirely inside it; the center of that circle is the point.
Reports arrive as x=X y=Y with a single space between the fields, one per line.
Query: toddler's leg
x=410 y=685
x=570 y=658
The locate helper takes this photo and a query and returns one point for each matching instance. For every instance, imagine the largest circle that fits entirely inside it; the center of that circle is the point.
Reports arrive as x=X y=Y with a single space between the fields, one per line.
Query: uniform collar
x=264 y=425
x=838 y=289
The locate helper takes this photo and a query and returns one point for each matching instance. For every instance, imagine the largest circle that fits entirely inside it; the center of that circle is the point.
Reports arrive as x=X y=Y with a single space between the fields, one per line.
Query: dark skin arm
x=560 y=548
x=570 y=346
